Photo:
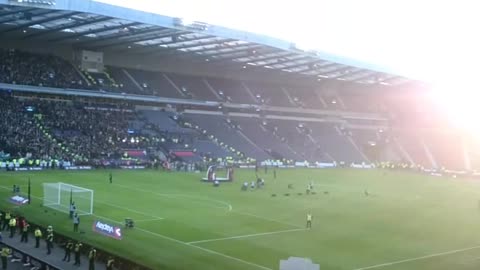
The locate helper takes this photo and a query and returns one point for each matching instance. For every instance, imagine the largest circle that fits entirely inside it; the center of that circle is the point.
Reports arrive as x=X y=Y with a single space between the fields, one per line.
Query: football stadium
x=136 y=139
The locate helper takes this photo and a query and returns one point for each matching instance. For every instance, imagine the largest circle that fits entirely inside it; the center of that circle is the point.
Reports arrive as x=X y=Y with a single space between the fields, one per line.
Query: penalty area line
x=193 y=246
x=178 y=241
x=418 y=258
x=146 y=220
x=152 y=218
x=244 y=236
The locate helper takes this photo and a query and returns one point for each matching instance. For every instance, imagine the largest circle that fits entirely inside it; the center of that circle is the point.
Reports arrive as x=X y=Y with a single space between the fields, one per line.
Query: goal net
x=59 y=195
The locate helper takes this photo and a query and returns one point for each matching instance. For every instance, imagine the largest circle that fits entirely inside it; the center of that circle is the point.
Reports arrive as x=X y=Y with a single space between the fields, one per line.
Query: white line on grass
x=112 y=205
x=268 y=219
x=229 y=206
x=244 y=236
x=177 y=241
x=145 y=220
x=418 y=258
x=190 y=245
x=129 y=209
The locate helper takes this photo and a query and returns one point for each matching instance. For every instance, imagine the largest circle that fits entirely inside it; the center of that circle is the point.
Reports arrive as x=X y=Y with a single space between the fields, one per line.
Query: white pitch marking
x=178 y=241
x=268 y=219
x=145 y=220
x=244 y=236
x=112 y=205
x=229 y=206
x=190 y=245
x=129 y=209
x=418 y=258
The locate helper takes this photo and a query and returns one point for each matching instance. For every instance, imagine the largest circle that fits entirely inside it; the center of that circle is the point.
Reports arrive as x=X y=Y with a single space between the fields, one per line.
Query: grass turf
x=406 y=216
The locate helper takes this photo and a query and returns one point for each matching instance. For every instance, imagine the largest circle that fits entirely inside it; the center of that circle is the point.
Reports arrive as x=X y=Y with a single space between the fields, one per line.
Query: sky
x=437 y=41
x=422 y=39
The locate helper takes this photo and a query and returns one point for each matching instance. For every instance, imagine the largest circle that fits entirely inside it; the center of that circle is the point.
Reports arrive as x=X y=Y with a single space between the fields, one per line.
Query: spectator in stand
x=17 y=67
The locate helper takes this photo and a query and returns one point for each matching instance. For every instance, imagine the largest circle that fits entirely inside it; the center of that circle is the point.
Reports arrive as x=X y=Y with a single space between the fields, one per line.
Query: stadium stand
x=195 y=87
x=232 y=91
x=68 y=131
x=414 y=146
x=243 y=106
x=258 y=132
x=227 y=132
x=125 y=82
x=447 y=150
x=336 y=142
x=156 y=83
x=18 y=67
x=269 y=94
x=21 y=136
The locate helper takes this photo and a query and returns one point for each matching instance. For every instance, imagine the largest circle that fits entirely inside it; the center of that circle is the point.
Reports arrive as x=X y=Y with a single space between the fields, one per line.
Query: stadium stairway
x=54 y=259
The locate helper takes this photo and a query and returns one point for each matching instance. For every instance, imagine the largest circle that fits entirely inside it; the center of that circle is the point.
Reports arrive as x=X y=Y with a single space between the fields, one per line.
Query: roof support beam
x=233 y=49
x=48 y=19
x=285 y=60
x=164 y=51
x=16 y=11
x=272 y=57
x=94 y=31
x=307 y=63
x=214 y=58
x=14 y=18
x=359 y=71
x=140 y=49
x=67 y=26
x=127 y=33
x=163 y=34
x=341 y=70
x=230 y=58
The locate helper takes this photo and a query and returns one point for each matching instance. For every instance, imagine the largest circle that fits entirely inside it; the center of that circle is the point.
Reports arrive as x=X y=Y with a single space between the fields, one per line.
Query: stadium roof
x=96 y=26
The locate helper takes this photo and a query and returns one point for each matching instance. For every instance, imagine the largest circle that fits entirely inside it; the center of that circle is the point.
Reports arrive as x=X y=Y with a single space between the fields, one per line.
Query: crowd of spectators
x=18 y=67
x=20 y=136
x=83 y=133
x=89 y=132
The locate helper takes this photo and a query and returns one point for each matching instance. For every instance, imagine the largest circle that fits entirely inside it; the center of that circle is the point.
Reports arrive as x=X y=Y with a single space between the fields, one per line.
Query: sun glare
x=459 y=102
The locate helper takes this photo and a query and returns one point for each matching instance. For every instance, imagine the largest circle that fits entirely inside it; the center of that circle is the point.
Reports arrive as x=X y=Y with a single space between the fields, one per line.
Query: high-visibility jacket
x=92 y=254
x=5 y=252
x=38 y=233
x=78 y=246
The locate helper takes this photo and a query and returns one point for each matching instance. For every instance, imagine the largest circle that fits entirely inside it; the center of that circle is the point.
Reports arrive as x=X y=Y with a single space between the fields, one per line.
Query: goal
x=59 y=195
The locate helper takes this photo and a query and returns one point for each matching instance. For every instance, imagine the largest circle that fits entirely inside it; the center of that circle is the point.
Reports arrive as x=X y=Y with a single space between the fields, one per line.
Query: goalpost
x=59 y=195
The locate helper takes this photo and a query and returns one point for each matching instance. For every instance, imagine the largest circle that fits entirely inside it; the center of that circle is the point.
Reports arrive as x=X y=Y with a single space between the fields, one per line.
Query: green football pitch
x=408 y=221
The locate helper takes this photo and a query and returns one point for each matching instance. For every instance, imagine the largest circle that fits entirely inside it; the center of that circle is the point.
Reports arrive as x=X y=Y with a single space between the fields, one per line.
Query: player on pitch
x=309 y=220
